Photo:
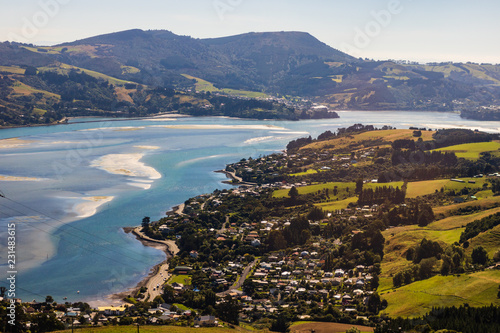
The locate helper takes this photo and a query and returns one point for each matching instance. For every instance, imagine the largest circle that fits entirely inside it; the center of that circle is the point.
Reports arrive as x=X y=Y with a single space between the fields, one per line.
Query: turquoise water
x=59 y=252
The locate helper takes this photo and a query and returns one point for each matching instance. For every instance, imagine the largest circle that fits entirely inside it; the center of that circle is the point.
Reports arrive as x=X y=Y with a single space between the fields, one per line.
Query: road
x=162 y=274
x=240 y=281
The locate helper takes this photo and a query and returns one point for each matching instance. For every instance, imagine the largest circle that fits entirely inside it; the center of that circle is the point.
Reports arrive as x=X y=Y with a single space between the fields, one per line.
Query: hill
x=293 y=65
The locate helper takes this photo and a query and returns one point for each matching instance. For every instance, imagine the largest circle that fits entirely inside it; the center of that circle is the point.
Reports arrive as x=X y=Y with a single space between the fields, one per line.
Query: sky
x=416 y=30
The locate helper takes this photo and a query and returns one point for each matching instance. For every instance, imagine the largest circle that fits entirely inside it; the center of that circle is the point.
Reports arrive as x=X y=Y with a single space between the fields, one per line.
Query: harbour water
x=70 y=189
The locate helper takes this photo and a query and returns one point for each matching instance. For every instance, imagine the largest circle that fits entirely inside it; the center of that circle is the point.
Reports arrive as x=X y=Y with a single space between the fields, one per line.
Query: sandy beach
x=158 y=275
x=126 y=164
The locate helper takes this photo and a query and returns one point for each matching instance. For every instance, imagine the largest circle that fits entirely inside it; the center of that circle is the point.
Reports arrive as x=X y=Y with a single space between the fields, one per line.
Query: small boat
x=65 y=298
x=78 y=291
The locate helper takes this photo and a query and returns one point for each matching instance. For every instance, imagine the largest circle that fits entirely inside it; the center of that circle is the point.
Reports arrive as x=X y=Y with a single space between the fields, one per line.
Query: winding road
x=161 y=275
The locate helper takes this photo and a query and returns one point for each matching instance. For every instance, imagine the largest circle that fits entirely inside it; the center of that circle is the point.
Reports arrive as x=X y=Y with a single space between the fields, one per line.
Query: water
x=70 y=205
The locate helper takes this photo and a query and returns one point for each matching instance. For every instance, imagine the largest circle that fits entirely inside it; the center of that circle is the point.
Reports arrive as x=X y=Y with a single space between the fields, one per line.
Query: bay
x=69 y=202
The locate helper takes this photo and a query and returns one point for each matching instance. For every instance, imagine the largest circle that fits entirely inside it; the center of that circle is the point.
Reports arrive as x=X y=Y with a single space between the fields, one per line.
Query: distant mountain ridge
x=293 y=65
x=254 y=61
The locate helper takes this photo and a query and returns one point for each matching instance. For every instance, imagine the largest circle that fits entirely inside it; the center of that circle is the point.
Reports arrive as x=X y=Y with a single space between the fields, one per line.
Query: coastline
x=157 y=275
x=235 y=180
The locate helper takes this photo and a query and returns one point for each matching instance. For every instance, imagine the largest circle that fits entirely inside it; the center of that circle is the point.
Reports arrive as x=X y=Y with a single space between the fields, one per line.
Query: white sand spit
x=147 y=147
x=140 y=185
x=259 y=139
x=126 y=164
x=19 y=179
x=89 y=207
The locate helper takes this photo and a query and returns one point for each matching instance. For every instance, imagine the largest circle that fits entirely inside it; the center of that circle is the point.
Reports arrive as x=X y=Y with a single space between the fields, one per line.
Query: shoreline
x=232 y=175
x=157 y=275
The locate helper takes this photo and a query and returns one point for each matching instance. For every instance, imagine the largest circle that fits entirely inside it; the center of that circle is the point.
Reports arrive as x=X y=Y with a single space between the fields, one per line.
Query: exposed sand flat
x=126 y=164
x=14 y=143
x=260 y=139
x=216 y=127
x=116 y=129
x=290 y=132
x=63 y=142
x=147 y=147
x=199 y=159
x=20 y=179
x=140 y=185
x=122 y=129
x=89 y=208
x=148 y=181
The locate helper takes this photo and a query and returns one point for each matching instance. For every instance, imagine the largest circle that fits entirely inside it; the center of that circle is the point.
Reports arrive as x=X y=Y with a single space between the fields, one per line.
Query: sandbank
x=14 y=143
x=90 y=206
x=20 y=179
x=126 y=164
x=147 y=147
x=260 y=139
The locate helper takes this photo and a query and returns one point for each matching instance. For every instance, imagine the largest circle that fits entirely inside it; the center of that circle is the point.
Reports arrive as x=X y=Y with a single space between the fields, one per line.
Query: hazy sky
x=420 y=30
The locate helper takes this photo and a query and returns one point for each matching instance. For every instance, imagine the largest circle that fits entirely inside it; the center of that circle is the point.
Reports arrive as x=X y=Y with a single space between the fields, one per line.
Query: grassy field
x=20 y=88
x=308 y=172
x=65 y=69
x=320 y=327
x=416 y=189
x=446 y=231
x=156 y=329
x=202 y=85
x=341 y=187
x=129 y=70
x=430 y=186
x=459 y=221
x=471 y=150
x=489 y=240
x=183 y=279
x=343 y=197
x=336 y=205
x=357 y=141
x=483 y=203
x=12 y=69
x=477 y=289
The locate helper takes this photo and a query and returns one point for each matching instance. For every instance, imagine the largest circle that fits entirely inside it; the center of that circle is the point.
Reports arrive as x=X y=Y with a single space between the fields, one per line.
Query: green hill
x=293 y=64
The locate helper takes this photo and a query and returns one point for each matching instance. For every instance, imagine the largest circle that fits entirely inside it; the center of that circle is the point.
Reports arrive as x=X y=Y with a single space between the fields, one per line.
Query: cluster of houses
x=74 y=316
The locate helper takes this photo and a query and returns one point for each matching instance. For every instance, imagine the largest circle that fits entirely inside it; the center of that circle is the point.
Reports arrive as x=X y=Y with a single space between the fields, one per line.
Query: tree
x=496 y=256
x=145 y=222
x=359 y=185
x=276 y=241
x=49 y=299
x=377 y=243
x=353 y=330
x=293 y=193
x=479 y=255
x=315 y=214
x=280 y=324
x=229 y=310
x=373 y=304
x=30 y=70
x=210 y=298
x=2 y=291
